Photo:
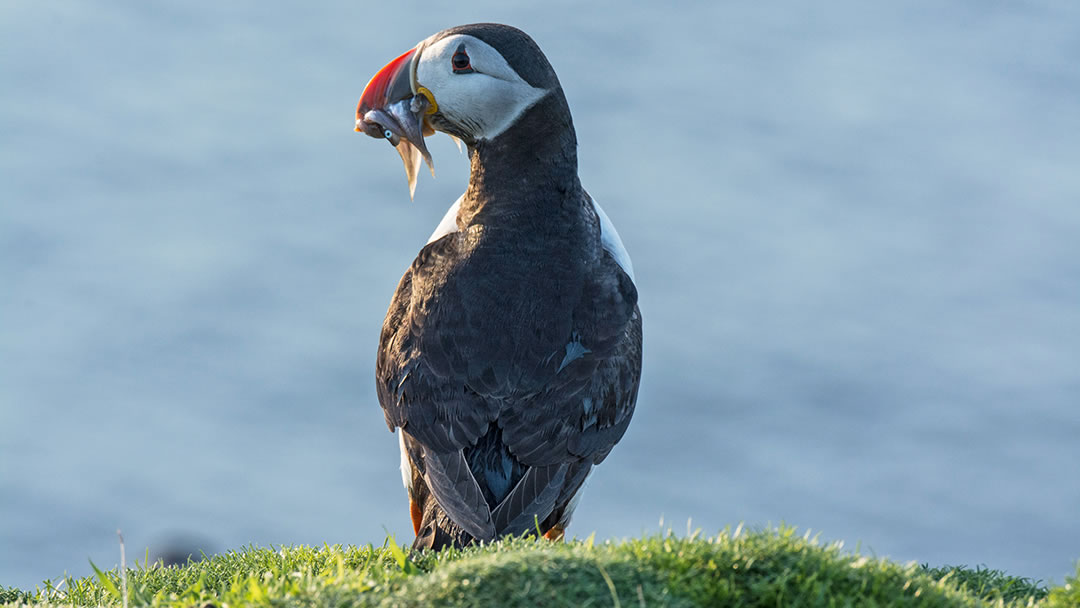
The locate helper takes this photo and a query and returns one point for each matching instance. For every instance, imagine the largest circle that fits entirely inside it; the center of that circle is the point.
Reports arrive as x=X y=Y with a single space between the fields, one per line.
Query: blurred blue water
x=854 y=230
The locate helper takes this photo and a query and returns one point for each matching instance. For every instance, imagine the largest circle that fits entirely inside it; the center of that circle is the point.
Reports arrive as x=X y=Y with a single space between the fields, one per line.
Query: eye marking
x=460 y=61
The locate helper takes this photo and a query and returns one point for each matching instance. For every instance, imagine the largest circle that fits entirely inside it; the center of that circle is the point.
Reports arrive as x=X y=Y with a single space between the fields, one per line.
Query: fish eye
x=460 y=61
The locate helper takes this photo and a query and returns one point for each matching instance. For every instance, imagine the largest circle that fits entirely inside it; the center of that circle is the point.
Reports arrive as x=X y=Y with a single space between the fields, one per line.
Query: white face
x=483 y=96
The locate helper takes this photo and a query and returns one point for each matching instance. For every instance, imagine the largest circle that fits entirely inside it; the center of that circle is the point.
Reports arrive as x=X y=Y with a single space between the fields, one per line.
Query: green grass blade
x=106 y=582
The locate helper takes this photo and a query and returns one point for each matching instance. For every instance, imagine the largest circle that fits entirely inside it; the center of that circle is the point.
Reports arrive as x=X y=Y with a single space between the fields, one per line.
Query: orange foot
x=555 y=533
x=417 y=516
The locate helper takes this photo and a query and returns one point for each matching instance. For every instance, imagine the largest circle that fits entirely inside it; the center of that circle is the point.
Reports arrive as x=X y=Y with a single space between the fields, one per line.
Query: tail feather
x=540 y=495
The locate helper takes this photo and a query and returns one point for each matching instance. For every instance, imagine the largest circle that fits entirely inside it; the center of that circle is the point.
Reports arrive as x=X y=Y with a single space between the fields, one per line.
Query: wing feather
x=532 y=499
x=456 y=491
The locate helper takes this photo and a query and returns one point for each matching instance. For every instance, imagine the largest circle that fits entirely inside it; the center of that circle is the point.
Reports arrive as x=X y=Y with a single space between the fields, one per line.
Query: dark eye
x=460 y=61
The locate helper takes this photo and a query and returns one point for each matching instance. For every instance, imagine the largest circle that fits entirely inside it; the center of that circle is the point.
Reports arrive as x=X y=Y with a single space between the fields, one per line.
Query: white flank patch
x=406 y=466
x=609 y=239
x=448 y=223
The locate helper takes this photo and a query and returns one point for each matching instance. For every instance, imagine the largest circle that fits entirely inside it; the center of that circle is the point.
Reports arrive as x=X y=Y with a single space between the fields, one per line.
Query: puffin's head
x=472 y=82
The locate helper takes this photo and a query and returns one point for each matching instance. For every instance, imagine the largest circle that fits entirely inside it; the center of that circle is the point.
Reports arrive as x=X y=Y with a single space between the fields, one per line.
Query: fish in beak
x=395 y=108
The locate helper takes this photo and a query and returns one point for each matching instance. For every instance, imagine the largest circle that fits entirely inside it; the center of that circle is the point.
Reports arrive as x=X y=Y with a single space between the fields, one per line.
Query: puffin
x=510 y=356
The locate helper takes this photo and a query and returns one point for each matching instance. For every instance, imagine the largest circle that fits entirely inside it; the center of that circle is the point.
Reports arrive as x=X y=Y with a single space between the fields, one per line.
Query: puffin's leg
x=417 y=516
x=555 y=533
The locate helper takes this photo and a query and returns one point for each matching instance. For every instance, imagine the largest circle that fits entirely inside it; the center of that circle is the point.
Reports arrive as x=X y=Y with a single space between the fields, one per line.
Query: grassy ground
x=763 y=568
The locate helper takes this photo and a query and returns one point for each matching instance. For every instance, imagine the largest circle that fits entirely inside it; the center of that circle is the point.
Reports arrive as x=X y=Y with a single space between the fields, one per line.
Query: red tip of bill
x=377 y=89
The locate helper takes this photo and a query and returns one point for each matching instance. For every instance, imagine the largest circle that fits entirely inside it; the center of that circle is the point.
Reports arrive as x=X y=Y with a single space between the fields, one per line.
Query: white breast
x=448 y=223
x=406 y=464
x=609 y=237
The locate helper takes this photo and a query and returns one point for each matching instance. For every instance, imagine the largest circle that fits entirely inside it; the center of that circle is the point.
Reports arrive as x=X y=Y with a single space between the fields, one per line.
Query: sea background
x=855 y=229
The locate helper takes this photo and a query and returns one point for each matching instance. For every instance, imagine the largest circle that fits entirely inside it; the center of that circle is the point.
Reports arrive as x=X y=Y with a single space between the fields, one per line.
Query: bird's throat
x=528 y=170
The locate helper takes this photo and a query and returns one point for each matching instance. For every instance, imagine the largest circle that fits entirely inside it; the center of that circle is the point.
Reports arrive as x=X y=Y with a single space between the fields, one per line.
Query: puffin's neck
x=528 y=172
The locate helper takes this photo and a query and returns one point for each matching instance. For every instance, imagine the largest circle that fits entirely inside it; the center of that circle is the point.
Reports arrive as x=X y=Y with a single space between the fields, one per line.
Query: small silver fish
x=402 y=124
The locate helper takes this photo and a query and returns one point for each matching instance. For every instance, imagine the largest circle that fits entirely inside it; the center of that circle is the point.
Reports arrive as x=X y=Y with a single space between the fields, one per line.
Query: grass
x=777 y=567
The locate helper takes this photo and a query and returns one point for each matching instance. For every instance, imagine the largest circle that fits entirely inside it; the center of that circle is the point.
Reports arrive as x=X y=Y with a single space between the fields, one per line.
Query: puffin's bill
x=391 y=109
x=402 y=124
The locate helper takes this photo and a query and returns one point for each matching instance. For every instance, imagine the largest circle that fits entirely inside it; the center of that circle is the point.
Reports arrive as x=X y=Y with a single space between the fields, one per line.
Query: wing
x=421 y=376
x=593 y=393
